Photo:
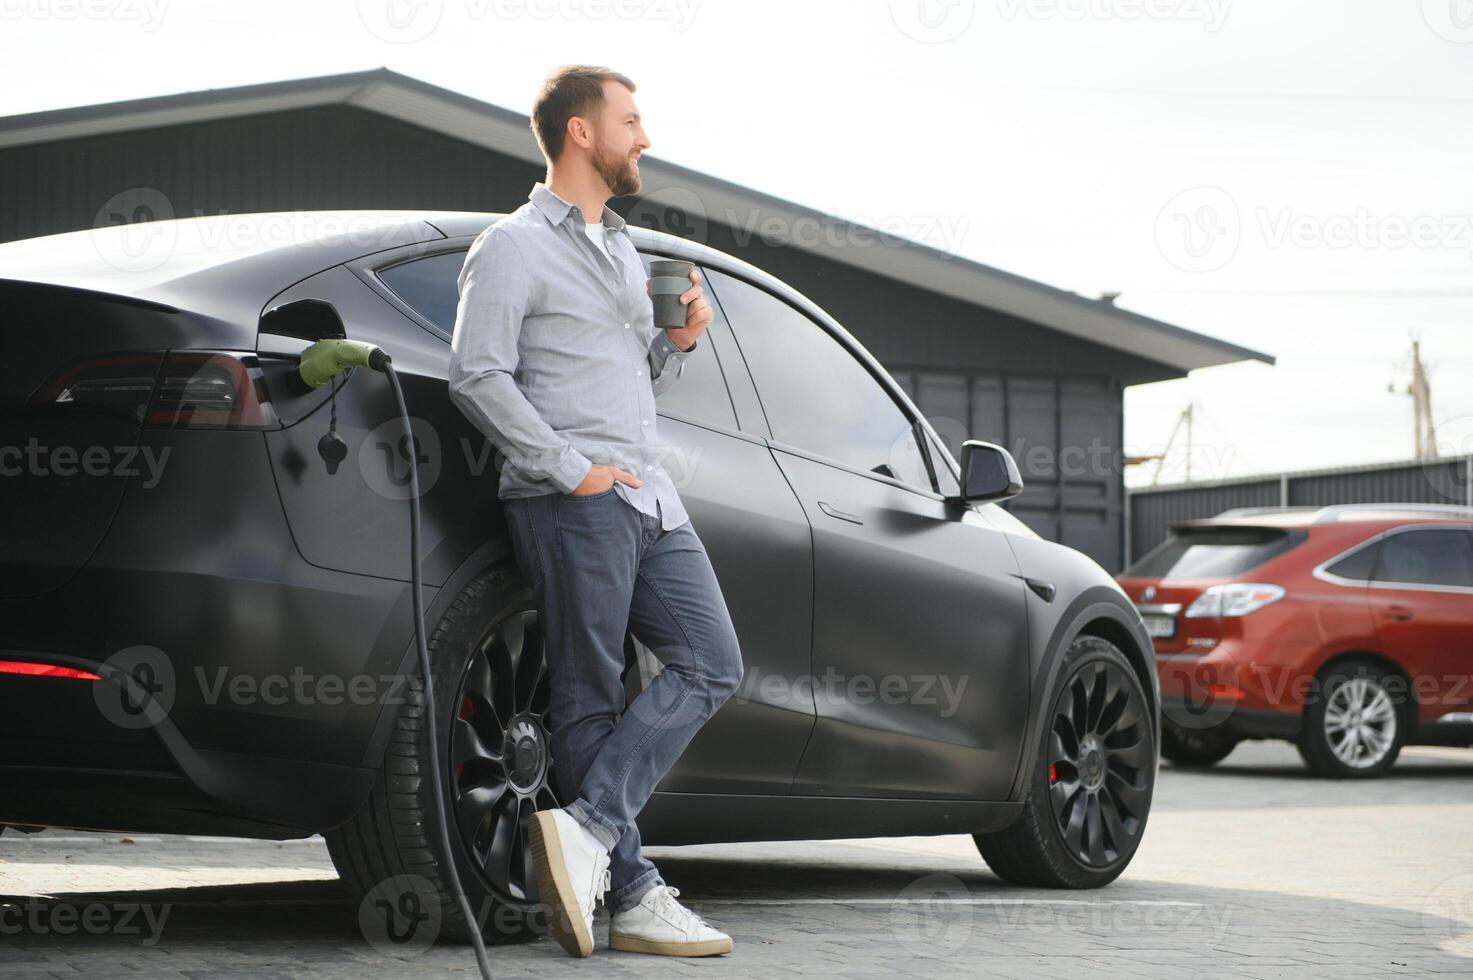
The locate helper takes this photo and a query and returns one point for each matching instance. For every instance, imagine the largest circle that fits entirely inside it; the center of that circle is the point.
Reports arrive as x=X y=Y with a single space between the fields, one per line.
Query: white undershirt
x=595 y=232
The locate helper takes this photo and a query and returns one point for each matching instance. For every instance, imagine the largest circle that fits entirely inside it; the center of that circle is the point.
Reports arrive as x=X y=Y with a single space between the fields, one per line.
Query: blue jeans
x=599 y=568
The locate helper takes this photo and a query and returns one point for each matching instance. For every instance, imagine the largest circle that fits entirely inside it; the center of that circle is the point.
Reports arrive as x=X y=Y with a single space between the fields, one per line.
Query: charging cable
x=320 y=363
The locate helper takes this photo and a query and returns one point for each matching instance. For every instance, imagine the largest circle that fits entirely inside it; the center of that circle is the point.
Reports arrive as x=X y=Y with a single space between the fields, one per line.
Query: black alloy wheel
x=1099 y=764
x=500 y=757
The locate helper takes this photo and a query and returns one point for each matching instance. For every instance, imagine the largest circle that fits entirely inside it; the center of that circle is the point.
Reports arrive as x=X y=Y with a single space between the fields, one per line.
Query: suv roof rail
x=1336 y=512
x=1260 y=511
x=1339 y=511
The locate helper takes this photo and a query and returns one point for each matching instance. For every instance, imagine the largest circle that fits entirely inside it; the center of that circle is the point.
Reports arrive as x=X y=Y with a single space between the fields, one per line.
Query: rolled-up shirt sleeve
x=664 y=355
x=495 y=294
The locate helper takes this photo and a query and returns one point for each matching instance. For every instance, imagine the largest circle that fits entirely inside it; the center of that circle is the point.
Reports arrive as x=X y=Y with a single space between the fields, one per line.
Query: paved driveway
x=1252 y=869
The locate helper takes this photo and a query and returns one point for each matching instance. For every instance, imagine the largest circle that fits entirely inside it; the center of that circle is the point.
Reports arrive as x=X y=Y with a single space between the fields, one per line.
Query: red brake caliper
x=467 y=708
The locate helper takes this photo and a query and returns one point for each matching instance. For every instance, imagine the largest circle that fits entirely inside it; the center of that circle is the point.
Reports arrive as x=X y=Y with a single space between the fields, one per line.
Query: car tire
x=1327 y=713
x=1188 y=749
x=1112 y=775
x=394 y=837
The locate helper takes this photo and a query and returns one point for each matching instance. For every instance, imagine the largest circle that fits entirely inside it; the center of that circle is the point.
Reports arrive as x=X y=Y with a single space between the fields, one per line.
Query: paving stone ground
x=1253 y=869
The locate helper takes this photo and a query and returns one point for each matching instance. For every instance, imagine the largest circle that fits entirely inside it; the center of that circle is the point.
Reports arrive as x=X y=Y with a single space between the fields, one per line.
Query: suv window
x=1356 y=566
x=1213 y=552
x=817 y=395
x=1430 y=556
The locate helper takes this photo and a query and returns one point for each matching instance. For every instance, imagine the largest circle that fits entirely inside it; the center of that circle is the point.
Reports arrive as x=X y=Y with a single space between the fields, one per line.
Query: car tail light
x=1234 y=599
x=29 y=668
x=209 y=390
x=188 y=390
x=115 y=382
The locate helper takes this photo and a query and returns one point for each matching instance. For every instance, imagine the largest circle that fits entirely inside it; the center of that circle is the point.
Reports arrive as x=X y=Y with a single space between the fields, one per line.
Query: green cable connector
x=326 y=359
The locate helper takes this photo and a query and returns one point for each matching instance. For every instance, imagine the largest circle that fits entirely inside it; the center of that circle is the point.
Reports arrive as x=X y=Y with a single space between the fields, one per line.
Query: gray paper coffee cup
x=669 y=278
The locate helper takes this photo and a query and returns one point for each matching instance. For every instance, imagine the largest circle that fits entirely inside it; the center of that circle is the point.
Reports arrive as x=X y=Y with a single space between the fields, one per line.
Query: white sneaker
x=660 y=924
x=571 y=875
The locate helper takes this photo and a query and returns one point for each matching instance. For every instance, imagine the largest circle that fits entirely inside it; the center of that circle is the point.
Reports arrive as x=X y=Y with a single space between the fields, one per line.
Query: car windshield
x=1212 y=552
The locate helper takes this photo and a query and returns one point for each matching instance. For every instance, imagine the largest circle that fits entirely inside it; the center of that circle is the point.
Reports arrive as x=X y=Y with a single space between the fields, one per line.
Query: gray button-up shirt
x=556 y=356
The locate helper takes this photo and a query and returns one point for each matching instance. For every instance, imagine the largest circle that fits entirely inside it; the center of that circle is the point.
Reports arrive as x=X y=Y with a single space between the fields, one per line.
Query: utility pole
x=1184 y=419
x=1424 y=434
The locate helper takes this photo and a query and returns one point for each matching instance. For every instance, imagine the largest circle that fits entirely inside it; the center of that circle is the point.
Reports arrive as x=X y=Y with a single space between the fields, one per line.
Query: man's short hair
x=568 y=91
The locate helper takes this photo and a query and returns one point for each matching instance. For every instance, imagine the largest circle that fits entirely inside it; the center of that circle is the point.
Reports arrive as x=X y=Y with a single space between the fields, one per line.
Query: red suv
x=1347 y=630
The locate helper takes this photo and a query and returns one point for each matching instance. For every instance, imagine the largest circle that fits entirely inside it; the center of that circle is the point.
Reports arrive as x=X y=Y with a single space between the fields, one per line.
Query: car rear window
x=1213 y=552
x=429 y=286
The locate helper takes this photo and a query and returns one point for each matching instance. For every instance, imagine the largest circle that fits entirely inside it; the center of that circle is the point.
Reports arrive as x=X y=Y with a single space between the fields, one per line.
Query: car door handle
x=833 y=511
x=1398 y=613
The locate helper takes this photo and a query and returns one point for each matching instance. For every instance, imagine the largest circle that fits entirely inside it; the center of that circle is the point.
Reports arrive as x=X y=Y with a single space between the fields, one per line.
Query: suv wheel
x=491 y=686
x=1354 y=728
x=1090 y=789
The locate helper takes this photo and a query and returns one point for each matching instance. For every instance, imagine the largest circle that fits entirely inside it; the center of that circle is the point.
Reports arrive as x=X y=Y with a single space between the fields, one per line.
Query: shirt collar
x=556 y=210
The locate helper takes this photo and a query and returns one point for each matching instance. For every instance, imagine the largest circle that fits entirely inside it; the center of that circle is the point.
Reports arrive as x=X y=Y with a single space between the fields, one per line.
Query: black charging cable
x=446 y=841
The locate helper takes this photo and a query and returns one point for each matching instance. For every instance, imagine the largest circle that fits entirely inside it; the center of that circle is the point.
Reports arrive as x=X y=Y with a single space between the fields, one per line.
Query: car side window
x=429 y=286
x=1430 y=556
x=817 y=395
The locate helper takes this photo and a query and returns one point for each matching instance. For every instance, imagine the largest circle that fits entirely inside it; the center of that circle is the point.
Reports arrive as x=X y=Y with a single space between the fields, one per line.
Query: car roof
x=232 y=264
x=224 y=266
x=228 y=267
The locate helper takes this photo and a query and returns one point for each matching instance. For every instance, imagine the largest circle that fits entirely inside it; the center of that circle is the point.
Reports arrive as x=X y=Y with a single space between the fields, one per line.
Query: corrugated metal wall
x=1448 y=481
x=316 y=158
x=1065 y=434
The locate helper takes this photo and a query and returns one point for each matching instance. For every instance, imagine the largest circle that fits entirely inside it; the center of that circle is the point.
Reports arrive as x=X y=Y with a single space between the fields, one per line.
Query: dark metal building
x=985 y=354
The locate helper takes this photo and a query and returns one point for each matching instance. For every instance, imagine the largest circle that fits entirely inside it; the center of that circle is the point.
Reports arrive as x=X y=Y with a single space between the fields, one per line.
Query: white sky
x=1319 y=152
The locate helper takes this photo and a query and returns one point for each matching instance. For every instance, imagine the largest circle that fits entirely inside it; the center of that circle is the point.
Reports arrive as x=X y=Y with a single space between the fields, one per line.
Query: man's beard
x=617 y=171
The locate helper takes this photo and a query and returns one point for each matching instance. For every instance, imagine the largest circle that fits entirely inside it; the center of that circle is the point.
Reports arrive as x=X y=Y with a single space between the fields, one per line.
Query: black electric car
x=208 y=621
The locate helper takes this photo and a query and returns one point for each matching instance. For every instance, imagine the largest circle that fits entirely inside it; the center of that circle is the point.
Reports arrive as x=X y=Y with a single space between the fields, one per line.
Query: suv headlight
x=1234 y=599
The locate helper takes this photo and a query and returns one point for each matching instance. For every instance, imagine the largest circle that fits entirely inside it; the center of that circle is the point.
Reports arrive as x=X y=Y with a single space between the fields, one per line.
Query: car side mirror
x=988 y=472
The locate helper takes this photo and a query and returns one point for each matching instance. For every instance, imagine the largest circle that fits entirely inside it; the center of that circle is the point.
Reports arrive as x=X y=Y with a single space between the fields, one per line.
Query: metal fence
x=1150 y=510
